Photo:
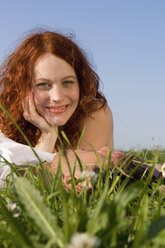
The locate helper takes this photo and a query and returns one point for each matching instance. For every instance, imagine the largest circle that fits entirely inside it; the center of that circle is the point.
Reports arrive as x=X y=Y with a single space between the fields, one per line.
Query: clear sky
x=124 y=39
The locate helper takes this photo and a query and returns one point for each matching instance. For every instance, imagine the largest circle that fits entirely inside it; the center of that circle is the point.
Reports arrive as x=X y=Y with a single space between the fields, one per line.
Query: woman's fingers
x=104 y=150
x=30 y=114
x=25 y=106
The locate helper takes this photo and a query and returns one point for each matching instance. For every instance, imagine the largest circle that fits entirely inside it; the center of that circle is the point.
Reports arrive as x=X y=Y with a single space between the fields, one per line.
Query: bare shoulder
x=99 y=128
x=102 y=117
x=103 y=114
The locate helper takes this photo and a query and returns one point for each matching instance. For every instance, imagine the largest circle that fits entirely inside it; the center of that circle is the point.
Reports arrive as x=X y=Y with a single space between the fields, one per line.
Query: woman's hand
x=88 y=158
x=48 y=136
x=30 y=114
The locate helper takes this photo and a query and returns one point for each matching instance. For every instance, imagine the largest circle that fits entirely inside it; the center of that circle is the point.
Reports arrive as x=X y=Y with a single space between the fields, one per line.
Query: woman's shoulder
x=99 y=128
x=103 y=114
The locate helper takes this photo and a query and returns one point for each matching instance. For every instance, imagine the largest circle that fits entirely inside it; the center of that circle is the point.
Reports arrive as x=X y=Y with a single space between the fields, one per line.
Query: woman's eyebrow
x=42 y=79
x=70 y=76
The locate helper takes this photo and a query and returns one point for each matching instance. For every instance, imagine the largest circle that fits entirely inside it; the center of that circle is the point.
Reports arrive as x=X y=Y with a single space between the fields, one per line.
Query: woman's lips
x=57 y=109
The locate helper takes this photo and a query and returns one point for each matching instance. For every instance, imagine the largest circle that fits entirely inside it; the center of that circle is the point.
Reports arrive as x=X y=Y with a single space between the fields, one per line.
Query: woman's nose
x=56 y=94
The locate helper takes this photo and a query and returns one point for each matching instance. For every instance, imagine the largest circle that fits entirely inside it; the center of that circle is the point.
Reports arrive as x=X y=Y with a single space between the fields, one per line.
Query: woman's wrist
x=47 y=141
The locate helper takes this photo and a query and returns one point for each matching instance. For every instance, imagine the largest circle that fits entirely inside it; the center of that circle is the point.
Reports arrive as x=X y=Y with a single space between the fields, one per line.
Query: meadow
x=117 y=207
x=37 y=210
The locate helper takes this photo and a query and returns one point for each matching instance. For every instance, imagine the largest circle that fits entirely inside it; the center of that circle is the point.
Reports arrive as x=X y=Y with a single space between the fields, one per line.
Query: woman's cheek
x=75 y=95
x=38 y=99
x=38 y=103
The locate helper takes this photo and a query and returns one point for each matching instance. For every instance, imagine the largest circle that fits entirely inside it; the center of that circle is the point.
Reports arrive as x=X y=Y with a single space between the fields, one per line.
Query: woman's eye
x=43 y=85
x=67 y=83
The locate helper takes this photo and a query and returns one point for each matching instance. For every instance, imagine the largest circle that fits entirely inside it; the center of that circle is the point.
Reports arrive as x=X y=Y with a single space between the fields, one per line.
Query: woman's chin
x=57 y=123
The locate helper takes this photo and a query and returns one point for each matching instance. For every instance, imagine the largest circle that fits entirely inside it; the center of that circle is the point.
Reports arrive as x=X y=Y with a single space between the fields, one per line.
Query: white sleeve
x=18 y=154
x=4 y=172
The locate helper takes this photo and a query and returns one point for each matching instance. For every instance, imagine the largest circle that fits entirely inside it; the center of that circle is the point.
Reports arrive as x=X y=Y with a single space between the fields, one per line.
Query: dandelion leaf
x=36 y=209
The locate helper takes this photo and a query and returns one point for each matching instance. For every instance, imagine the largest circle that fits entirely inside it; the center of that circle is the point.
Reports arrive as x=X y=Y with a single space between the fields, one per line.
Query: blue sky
x=124 y=39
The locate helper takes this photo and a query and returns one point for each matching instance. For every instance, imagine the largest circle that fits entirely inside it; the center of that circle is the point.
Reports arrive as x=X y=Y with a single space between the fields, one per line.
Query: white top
x=19 y=154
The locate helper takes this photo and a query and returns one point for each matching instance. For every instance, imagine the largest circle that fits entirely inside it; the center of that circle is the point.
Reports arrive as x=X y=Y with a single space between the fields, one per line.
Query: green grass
x=113 y=213
x=118 y=214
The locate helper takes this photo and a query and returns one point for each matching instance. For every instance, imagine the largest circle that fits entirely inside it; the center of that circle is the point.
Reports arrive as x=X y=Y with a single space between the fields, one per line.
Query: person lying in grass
x=48 y=86
x=125 y=165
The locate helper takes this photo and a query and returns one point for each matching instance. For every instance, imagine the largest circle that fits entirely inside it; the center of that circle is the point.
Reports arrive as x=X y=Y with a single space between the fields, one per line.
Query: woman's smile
x=57 y=109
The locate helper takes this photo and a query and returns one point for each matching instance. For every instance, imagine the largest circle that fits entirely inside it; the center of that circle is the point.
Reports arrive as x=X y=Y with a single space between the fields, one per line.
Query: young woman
x=48 y=82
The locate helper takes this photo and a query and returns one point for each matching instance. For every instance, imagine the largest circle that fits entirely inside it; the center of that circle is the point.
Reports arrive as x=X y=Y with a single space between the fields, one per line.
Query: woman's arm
x=98 y=130
x=87 y=157
x=126 y=163
x=47 y=141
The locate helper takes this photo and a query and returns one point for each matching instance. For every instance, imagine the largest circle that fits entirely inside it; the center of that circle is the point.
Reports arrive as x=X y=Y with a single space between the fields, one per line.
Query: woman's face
x=55 y=89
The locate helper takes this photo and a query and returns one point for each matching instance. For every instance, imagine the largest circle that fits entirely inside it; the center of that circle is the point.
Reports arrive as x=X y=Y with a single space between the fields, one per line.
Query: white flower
x=162 y=189
x=83 y=240
x=11 y=206
x=14 y=208
x=163 y=170
x=88 y=176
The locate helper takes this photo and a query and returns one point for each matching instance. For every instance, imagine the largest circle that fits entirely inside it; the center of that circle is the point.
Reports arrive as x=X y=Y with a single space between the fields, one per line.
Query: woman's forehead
x=53 y=67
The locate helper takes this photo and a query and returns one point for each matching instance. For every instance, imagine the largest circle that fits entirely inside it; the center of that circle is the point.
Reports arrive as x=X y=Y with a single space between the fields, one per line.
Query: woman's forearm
x=47 y=142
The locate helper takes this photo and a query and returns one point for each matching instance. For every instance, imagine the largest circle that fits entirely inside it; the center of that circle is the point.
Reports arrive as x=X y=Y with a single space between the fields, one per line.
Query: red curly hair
x=16 y=78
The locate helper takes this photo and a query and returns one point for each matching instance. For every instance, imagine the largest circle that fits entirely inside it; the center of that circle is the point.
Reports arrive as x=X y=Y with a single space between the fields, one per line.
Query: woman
x=48 y=82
